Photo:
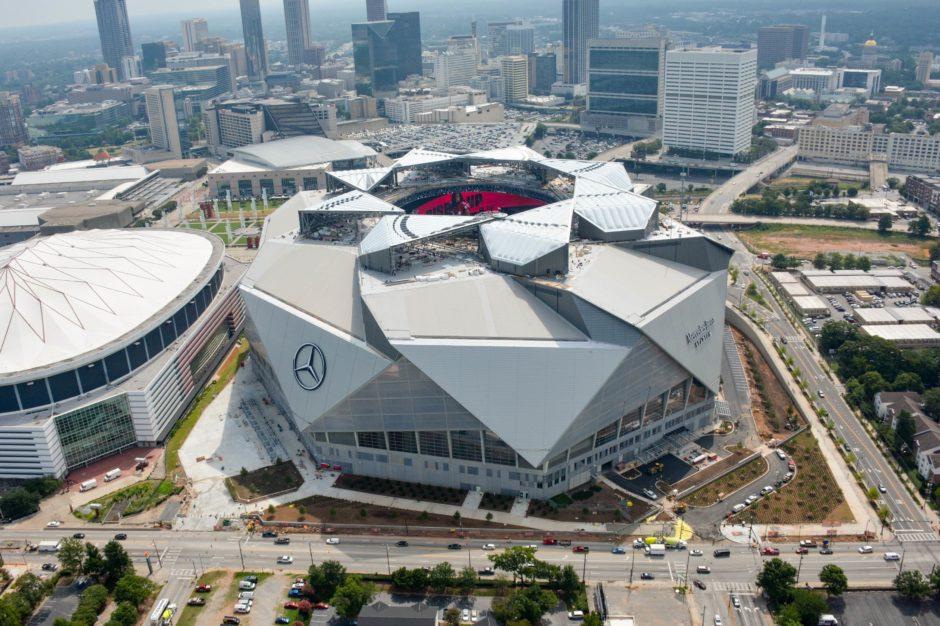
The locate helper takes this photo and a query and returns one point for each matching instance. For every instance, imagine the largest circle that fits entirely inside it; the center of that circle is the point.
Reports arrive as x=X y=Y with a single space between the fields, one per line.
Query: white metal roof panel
x=527 y=236
x=420 y=156
x=355 y=202
x=363 y=180
x=616 y=211
x=394 y=230
x=512 y=153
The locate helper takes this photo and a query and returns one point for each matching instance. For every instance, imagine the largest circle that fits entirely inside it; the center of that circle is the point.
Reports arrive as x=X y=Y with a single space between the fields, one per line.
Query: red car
x=204 y=588
x=549 y=541
x=581 y=549
x=770 y=551
x=291 y=605
x=321 y=606
x=802 y=550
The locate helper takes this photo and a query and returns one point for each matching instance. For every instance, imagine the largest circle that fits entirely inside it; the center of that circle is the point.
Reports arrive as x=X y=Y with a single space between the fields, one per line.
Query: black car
x=646 y=576
x=402 y=544
x=269 y=534
x=455 y=546
x=49 y=567
x=120 y=536
x=282 y=541
x=698 y=583
x=78 y=536
x=486 y=571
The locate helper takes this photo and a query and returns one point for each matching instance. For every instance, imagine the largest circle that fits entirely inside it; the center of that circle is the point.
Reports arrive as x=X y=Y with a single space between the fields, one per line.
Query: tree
x=71 y=554
x=661 y=188
x=932 y=402
x=835 y=261
x=932 y=296
x=834 y=579
x=919 y=227
x=566 y=582
x=94 y=562
x=780 y=261
x=133 y=589
x=809 y=605
x=908 y=381
x=863 y=263
x=777 y=579
x=528 y=604
x=125 y=614
x=116 y=562
x=884 y=224
x=935 y=581
x=31 y=589
x=906 y=429
x=326 y=578
x=351 y=596
x=18 y=503
x=452 y=617
x=934 y=251
x=834 y=334
x=467 y=580
x=441 y=577
x=819 y=261
x=513 y=560
x=912 y=585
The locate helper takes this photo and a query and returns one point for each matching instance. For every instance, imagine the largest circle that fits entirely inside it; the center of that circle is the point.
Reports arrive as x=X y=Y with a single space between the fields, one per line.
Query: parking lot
x=560 y=141
x=883 y=607
x=61 y=604
x=459 y=138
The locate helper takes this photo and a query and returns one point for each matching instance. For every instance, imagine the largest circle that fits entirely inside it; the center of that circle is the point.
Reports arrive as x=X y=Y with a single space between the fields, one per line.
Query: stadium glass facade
x=96 y=431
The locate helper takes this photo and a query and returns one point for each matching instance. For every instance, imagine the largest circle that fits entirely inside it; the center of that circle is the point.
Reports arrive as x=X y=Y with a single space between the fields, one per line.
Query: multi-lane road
x=910 y=521
x=719 y=201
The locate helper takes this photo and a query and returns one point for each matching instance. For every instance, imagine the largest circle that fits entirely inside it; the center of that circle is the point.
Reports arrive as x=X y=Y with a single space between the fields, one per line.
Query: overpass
x=719 y=201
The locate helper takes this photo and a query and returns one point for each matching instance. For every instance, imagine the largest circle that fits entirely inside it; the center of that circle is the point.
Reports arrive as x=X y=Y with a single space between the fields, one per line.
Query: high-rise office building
x=153 y=56
x=194 y=31
x=708 y=101
x=580 y=23
x=297 y=22
x=114 y=30
x=12 y=124
x=130 y=67
x=161 y=113
x=515 y=72
x=520 y=39
x=781 y=43
x=254 y=39
x=924 y=66
x=625 y=86
x=455 y=66
x=408 y=35
x=542 y=73
x=376 y=10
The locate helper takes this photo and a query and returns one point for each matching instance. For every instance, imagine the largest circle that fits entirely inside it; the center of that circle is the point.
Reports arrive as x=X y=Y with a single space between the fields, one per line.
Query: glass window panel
x=154 y=342
x=95 y=431
x=92 y=376
x=606 y=435
x=117 y=365
x=64 y=386
x=465 y=444
x=625 y=60
x=371 y=439
x=582 y=447
x=8 y=401
x=343 y=439
x=192 y=312
x=318 y=436
x=168 y=331
x=676 y=399
x=698 y=392
x=137 y=352
x=630 y=421
x=434 y=443
x=33 y=393
x=654 y=409
x=497 y=451
x=624 y=84
x=179 y=318
x=613 y=104
x=402 y=441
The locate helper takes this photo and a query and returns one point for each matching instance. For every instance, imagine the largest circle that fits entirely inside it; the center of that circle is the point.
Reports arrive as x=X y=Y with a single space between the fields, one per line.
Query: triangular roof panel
x=363 y=180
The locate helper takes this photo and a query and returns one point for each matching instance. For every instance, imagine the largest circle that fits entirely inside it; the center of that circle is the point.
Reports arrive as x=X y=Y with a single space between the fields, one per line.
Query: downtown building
x=114 y=32
x=708 y=100
x=859 y=145
x=111 y=336
x=518 y=353
x=386 y=52
x=625 y=86
x=580 y=24
x=785 y=42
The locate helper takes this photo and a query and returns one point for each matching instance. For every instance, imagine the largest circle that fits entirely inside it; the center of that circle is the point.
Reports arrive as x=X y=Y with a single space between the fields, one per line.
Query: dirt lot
x=806 y=241
x=811 y=497
x=216 y=606
x=731 y=482
x=770 y=402
x=597 y=504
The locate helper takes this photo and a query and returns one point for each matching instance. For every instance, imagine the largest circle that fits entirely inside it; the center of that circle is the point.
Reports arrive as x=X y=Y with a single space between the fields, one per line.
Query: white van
x=892 y=556
x=576 y=615
x=112 y=474
x=88 y=485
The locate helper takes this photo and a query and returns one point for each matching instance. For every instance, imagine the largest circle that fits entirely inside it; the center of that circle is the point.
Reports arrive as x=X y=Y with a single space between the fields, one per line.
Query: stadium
x=107 y=335
x=495 y=320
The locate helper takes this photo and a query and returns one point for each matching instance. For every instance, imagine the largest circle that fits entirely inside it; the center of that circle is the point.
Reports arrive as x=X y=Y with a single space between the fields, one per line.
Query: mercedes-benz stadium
x=105 y=338
x=495 y=320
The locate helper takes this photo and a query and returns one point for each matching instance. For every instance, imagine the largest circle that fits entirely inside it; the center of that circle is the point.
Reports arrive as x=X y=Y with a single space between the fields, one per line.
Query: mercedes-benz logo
x=309 y=366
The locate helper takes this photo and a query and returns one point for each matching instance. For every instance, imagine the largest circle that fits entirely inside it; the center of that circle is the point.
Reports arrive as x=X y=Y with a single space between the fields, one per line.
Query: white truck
x=47 y=546
x=656 y=549
x=88 y=485
x=156 y=615
x=112 y=474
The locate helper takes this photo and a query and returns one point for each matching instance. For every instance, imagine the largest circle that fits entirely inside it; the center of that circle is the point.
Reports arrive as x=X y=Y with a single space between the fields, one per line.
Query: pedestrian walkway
x=472 y=501
x=915 y=537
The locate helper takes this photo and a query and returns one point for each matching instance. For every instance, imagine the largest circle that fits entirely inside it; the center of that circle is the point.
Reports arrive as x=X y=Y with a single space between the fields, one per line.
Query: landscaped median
x=729 y=483
x=130 y=500
x=264 y=482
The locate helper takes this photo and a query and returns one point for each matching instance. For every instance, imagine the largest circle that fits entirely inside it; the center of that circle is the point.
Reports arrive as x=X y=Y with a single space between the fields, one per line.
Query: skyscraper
x=924 y=66
x=161 y=113
x=541 y=73
x=407 y=34
x=12 y=125
x=515 y=72
x=297 y=21
x=580 y=22
x=385 y=53
x=114 y=30
x=625 y=85
x=153 y=56
x=376 y=10
x=194 y=31
x=780 y=43
x=520 y=39
x=254 y=39
x=708 y=101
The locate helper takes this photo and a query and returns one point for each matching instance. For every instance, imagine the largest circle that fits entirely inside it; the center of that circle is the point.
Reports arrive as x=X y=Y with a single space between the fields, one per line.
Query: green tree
x=592 y=619
x=94 y=562
x=833 y=578
x=934 y=251
x=441 y=577
x=513 y=560
x=116 y=562
x=912 y=585
x=908 y=381
x=809 y=605
x=71 y=554
x=566 y=583
x=528 y=604
x=932 y=402
x=919 y=227
x=834 y=334
x=452 y=617
x=125 y=614
x=326 y=578
x=819 y=261
x=351 y=596
x=31 y=589
x=906 y=429
x=777 y=579
x=133 y=589
x=885 y=223
x=467 y=580
x=661 y=188
x=863 y=263
x=835 y=261
x=932 y=296
x=935 y=581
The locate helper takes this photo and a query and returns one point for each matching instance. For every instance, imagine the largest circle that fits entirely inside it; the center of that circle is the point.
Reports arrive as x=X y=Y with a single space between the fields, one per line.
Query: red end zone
x=473 y=202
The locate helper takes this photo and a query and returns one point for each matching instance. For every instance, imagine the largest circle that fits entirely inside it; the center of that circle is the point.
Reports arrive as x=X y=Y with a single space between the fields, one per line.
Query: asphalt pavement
x=719 y=201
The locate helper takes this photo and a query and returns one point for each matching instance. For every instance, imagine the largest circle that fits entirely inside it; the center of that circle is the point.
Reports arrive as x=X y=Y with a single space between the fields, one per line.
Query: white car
x=465 y=615
x=489 y=546
x=332 y=541
x=285 y=559
x=865 y=550
x=54 y=524
x=718 y=620
x=695 y=553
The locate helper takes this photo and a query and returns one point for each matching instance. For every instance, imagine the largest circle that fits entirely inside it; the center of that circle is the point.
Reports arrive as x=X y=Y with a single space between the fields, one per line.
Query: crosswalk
x=182 y=572
x=731 y=586
x=794 y=340
x=914 y=537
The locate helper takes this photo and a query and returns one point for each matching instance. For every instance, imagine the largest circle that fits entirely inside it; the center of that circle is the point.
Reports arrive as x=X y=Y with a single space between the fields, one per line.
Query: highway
x=183 y=553
x=910 y=521
x=719 y=201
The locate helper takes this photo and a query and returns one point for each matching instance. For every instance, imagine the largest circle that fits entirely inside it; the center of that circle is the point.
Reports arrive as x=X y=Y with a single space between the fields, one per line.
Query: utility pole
x=799 y=568
x=157 y=552
x=388 y=561
x=632 y=562
x=584 y=569
x=310 y=550
x=240 y=555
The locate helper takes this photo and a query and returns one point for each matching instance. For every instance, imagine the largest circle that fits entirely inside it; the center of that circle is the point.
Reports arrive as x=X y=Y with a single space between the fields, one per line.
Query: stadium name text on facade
x=701 y=334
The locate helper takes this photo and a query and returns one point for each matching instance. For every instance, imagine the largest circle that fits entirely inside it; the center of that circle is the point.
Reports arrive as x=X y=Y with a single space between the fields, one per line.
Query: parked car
x=54 y=524
x=49 y=567
x=290 y=605
x=203 y=588
x=196 y=602
x=486 y=571
x=649 y=493
x=231 y=619
x=269 y=534
x=282 y=541
x=321 y=606
x=281 y=619
x=703 y=569
x=295 y=593
x=718 y=620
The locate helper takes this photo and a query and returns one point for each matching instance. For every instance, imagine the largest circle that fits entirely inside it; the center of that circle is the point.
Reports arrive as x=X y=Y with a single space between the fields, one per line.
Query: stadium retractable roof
x=363 y=180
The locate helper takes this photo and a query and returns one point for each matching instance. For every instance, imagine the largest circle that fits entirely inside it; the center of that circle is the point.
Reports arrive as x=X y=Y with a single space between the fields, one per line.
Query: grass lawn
x=729 y=483
x=813 y=496
x=140 y=497
x=805 y=241
x=222 y=377
x=190 y=614
x=264 y=481
x=240 y=576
